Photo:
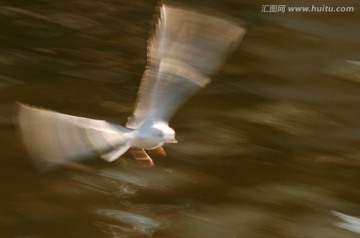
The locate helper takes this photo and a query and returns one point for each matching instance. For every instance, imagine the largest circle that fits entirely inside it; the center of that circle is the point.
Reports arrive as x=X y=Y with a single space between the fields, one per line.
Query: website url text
x=313 y=8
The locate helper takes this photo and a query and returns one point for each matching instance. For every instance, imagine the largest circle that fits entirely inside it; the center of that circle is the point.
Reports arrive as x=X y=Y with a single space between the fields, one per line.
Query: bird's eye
x=159 y=135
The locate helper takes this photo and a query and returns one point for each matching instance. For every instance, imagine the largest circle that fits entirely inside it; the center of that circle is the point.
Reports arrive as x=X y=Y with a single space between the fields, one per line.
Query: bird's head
x=163 y=131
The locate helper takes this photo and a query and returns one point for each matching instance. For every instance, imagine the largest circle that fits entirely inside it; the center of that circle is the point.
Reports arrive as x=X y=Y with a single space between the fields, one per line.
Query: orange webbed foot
x=159 y=151
x=141 y=157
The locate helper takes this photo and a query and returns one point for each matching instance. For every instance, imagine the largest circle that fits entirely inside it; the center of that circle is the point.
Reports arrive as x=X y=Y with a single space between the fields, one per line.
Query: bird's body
x=185 y=50
x=153 y=136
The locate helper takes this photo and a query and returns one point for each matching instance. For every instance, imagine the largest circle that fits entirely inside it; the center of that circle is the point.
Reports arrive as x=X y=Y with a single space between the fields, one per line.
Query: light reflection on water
x=269 y=149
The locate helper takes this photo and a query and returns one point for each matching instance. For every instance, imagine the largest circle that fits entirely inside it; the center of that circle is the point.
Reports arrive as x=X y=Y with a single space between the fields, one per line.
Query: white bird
x=186 y=48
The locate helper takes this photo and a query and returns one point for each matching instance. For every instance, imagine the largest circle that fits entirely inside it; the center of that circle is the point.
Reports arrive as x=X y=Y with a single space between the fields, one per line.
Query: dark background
x=269 y=149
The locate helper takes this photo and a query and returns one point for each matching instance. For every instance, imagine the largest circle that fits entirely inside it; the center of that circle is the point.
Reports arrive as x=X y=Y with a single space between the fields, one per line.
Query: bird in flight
x=185 y=49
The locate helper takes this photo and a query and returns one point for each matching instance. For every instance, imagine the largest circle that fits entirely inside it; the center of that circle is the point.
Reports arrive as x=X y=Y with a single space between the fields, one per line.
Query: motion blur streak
x=268 y=149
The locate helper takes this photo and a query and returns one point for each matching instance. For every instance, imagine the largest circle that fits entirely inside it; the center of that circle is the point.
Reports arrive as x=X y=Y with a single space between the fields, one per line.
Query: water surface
x=269 y=149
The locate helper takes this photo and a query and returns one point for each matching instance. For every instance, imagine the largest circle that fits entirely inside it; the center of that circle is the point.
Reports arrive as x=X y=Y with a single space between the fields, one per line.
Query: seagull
x=185 y=49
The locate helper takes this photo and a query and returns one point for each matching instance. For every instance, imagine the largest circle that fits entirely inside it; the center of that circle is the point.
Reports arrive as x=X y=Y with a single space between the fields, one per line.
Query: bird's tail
x=53 y=138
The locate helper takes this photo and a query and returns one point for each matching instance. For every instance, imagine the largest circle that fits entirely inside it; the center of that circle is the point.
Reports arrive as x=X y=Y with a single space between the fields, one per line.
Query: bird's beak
x=171 y=141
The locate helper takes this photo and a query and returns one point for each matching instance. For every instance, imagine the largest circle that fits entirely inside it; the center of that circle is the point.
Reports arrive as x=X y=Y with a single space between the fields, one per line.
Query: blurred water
x=269 y=149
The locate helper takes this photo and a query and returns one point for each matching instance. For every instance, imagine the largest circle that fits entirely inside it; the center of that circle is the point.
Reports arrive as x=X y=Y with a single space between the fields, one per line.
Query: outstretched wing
x=186 y=49
x=53 y=138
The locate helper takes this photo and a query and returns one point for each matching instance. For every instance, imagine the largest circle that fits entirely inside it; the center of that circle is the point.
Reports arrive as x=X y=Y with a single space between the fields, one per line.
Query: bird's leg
x=141 y=156
x=159 y=151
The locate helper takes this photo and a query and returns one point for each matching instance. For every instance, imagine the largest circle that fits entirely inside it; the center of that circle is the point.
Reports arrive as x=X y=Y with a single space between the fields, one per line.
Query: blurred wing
x=187 y=48
x=53 y=138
